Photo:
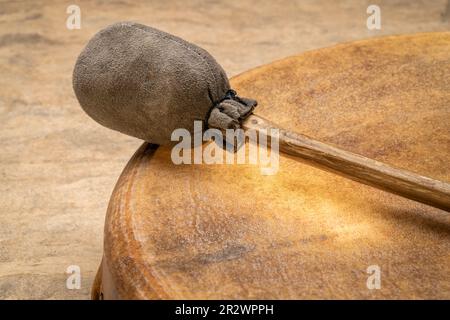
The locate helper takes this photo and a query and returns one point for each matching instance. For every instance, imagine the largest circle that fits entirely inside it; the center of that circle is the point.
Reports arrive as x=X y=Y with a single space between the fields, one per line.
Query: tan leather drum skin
x=229 y=232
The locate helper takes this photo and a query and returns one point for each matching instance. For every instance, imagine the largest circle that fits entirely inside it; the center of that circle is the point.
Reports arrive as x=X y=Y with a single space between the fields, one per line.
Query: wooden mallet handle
x=367 y=171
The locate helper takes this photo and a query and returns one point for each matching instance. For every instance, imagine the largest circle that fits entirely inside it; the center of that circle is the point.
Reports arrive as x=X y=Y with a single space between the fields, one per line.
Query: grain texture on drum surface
x=226 y=231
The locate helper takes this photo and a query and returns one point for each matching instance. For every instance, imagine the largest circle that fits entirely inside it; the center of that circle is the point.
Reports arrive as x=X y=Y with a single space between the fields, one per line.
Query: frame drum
x=229 y=232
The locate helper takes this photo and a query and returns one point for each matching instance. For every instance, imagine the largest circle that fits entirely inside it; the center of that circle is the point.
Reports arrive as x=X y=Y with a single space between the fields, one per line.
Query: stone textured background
x=58 y=167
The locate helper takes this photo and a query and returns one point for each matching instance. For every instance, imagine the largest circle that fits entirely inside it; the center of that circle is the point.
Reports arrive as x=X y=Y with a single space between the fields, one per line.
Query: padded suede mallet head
x=146 y=83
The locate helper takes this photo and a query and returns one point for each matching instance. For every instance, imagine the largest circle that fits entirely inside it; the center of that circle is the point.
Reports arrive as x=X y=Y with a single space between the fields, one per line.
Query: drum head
x=229 y=232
